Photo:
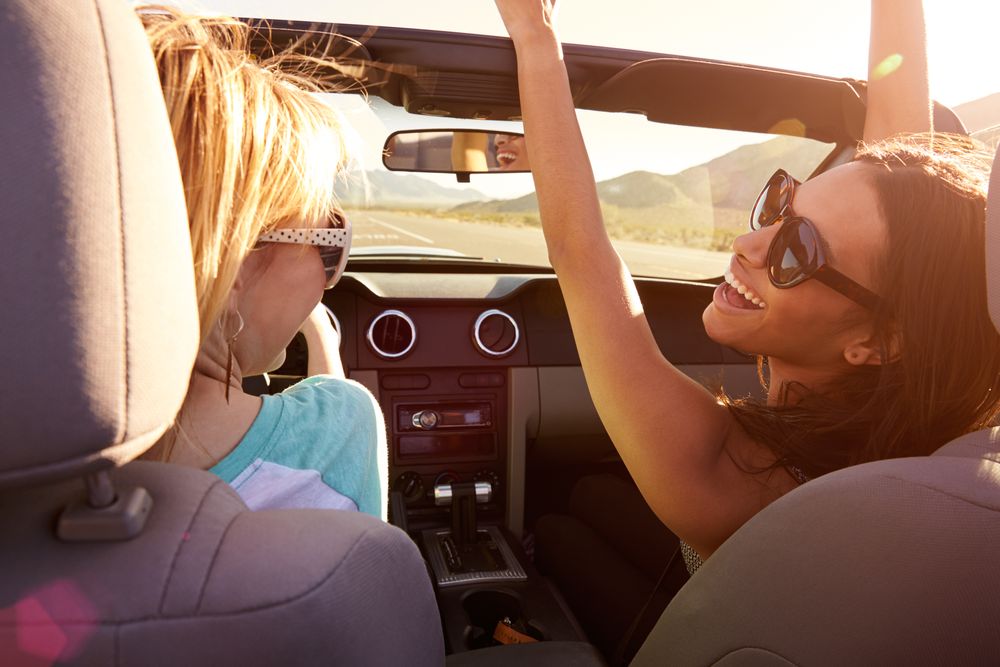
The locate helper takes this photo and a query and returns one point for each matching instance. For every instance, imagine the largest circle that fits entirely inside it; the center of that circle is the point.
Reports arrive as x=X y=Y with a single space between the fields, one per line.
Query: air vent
x=392 y=334
x=495 y=333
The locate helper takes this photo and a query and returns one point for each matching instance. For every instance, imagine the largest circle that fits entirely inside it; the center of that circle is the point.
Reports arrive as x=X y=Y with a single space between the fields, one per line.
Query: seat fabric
x=884 y=563
x=209 y=582
x=605 y=556
x=96 y=280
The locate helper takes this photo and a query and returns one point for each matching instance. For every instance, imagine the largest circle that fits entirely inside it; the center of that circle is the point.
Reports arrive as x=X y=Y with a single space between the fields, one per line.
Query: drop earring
x=230 y=341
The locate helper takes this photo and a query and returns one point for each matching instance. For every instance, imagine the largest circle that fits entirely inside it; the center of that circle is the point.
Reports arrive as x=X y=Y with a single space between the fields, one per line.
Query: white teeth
x=745 y=291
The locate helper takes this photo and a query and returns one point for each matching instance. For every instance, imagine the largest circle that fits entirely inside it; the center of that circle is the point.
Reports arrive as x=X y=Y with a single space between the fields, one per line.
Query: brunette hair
x=941 y=351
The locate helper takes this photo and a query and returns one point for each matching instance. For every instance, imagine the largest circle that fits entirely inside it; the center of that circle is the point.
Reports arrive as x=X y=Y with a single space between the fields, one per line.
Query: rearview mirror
x=459 y=152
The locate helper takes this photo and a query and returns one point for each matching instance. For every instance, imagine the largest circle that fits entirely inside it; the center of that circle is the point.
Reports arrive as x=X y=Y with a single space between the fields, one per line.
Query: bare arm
x=898 y=92
x=322 y=343
x=468 y=152
x=670 y=432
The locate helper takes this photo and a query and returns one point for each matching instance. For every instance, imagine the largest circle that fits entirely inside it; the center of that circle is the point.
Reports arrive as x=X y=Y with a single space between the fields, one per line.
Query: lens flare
x=52 y=624
x=792 y=127
x=887 y=66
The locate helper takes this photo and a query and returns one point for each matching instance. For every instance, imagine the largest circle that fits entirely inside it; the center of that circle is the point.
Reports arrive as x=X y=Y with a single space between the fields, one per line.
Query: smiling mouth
x=505 y=158
x=739 y=295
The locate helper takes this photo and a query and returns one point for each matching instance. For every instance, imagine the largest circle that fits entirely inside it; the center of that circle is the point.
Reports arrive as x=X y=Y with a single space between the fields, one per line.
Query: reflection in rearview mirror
x=459 y=152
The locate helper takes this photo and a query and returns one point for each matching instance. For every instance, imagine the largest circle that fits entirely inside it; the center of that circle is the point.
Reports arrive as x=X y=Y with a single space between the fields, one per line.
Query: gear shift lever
x=463 y=497
x=467 y=553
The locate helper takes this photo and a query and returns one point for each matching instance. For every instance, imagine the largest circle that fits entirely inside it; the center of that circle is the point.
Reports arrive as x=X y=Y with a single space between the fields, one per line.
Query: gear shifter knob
x=463 y=497
x=443 y=493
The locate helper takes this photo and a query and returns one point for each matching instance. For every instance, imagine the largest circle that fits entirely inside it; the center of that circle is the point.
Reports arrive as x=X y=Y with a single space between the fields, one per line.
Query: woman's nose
x=753 y=245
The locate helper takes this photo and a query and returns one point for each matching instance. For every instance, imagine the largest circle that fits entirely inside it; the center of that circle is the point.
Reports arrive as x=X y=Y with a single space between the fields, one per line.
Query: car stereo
x=434 y=416
x=445 y=431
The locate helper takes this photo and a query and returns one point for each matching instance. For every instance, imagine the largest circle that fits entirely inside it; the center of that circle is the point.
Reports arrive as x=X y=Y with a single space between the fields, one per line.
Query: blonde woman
x=259 y=158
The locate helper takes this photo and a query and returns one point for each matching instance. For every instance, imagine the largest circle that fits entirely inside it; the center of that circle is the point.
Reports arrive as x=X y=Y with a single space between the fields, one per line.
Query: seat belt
x=674 y=576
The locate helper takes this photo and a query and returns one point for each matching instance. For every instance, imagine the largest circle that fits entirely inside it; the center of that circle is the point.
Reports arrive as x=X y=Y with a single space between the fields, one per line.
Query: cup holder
x=485 y=609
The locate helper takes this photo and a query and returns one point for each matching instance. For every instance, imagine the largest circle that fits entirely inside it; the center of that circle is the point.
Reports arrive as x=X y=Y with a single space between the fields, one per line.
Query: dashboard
x=476 y=371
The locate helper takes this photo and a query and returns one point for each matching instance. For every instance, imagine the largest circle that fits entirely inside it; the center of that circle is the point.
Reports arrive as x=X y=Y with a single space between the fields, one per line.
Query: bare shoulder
x=744 y=481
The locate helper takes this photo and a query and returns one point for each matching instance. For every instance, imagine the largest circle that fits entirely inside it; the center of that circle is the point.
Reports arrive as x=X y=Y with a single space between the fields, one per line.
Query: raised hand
x=526 y=18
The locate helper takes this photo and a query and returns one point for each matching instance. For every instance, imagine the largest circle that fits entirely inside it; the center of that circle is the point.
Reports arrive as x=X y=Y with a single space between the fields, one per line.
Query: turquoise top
x=320 y=443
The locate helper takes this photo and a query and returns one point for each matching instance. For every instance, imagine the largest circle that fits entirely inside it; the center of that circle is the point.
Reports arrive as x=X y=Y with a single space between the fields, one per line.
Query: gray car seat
x=108 y=562
x=888 y=563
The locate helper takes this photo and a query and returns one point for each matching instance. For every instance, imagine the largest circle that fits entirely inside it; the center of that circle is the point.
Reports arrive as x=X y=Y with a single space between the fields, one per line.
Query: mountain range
x=394 y=189
x=733 y=180
x=730 y=182
x=981 y=114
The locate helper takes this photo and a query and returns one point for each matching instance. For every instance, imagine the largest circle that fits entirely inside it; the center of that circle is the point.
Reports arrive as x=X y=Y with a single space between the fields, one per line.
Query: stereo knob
x=425 y=419
x=446 y=477
x=487 y=475
x=410 y=485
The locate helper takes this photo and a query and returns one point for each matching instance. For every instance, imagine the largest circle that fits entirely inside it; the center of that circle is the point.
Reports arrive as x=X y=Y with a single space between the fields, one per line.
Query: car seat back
x=101 y=324
x=103 y=561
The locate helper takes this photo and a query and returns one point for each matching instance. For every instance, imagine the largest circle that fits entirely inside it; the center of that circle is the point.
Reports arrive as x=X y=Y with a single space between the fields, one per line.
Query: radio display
x=471 y=416
x=448 y=446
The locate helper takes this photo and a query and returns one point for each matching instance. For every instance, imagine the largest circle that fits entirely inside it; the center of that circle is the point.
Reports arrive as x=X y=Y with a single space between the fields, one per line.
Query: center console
x=449 y=479
x=464 y=553
x=446 y=426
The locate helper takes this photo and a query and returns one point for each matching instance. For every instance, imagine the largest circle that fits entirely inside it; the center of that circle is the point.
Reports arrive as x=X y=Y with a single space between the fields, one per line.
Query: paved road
x=521 y=245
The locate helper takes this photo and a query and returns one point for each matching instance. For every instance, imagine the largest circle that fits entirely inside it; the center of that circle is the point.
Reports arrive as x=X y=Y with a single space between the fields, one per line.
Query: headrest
x=993 y=242
x=984 y=444
x=96 y=280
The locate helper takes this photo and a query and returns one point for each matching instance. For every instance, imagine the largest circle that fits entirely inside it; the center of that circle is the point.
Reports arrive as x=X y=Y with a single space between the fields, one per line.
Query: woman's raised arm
x=670 y=431
x=898 y=93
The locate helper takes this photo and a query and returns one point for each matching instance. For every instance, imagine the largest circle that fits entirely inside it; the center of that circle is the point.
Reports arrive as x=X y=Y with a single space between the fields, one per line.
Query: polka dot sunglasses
x=334 y=244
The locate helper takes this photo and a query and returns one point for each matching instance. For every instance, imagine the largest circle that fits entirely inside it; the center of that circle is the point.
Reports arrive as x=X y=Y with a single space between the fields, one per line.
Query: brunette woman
x=863 y=290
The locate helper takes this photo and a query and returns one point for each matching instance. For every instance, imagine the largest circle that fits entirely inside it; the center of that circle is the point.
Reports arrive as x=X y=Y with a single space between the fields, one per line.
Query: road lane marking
x=418 y=237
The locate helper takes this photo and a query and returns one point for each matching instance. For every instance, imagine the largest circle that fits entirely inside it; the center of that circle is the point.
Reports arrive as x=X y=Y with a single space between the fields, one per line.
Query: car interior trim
x=477 y=334
x=370 y=335
x=523 y=417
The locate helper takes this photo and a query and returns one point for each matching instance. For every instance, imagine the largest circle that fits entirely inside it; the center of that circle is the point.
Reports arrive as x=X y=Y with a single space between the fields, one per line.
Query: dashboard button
x=416 y=381
x=478 y=380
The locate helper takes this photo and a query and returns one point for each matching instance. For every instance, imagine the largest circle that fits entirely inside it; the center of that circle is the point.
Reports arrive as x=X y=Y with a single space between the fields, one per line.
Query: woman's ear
x=863 y=354
x=247 y=268
x=868 y=351
x=254 y=264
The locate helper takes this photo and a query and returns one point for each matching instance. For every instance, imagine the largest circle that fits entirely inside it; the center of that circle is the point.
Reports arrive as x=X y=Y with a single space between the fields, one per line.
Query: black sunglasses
x=796 y=253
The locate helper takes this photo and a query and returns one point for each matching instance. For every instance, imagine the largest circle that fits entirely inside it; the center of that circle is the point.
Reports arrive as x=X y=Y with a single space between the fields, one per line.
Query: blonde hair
x=256 y=149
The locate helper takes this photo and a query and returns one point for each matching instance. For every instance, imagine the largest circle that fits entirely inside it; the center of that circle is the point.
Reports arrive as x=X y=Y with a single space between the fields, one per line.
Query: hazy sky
x=824 y=37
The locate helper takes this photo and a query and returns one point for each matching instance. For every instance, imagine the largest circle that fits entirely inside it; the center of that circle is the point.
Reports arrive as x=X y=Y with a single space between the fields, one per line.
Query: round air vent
x=495 y=333
x=392 y=334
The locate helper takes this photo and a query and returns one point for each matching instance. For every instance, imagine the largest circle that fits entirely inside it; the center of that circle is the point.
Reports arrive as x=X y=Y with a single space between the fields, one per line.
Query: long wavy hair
x=932 y=325
x=256 y=149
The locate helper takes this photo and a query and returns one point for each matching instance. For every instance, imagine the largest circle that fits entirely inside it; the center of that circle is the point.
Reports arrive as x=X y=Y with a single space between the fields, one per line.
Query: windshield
x=673 y=197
